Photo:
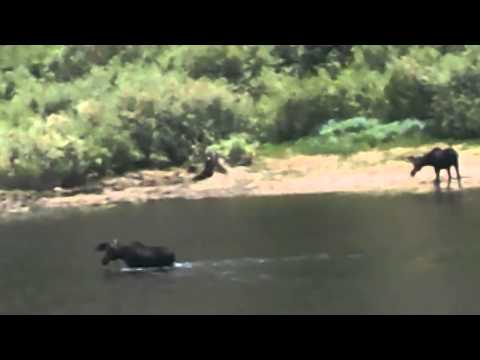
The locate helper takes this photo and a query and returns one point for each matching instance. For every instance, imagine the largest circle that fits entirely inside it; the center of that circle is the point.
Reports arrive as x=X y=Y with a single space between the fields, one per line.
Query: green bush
x=176 y=117
x=456 y=106
x=377 y=57
x=126 y=106
x=74 y=61
x=308 y=60
x=232 y=62
x=35 y=58
x=59 y=151
x=292 y=107
x=417 y=78
x=361 y=92
x=236 y=149
x=36 y=157
x=409 y=91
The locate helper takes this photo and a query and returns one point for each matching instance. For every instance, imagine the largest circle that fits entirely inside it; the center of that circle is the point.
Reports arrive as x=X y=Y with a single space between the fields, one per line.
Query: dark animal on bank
x=440 y=159
x=137 y=255
x=211 y=165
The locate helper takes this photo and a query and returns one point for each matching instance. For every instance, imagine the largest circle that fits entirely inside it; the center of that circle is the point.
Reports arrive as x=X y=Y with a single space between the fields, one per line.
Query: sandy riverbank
x=368 y=172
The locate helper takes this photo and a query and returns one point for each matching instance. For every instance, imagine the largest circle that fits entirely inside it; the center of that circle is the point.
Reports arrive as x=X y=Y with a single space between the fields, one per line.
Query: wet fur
x=137 y=255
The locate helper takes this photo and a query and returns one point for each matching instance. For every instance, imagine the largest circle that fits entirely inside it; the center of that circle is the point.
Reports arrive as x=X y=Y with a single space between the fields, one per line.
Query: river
x=303 y=254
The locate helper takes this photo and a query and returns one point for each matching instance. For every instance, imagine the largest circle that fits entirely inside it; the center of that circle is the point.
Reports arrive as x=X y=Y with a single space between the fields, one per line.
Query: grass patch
x=278 y=151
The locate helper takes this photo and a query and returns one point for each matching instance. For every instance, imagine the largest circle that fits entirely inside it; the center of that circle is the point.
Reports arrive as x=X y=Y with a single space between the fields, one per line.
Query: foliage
x=236 y=148
x=176 y=116
x=69 y=112
x=356 y=134
x=456 y=106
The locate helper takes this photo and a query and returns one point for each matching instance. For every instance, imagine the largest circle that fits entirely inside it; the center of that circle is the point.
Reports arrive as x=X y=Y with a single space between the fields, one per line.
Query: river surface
x=321 y=254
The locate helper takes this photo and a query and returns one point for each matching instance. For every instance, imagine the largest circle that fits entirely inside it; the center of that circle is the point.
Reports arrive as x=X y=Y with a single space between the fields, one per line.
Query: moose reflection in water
x=136 y=254
x=440 y=159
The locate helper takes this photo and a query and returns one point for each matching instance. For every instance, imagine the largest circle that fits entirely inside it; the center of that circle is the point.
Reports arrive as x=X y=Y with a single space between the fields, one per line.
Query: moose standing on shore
x=440 y=159
x=137 y=255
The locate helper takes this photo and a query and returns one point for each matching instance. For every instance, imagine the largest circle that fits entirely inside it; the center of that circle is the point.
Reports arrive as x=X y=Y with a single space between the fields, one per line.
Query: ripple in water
x=249 y=261
x=258 y=261
x=176 y=265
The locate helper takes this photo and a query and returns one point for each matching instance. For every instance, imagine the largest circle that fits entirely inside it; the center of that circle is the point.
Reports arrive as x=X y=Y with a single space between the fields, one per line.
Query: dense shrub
x=175 y=116
x=70 y=111
x=308 y=60
x=456 y=106
x=236 y=148
x=295 y=107
x=291 y=107
x=409 y=91
x=235 y=63
x=32 y=57
x=63 y=151
x=76 y=60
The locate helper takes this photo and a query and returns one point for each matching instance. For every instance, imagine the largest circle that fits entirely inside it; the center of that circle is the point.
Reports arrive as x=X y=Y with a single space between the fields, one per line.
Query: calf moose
x=137 y=255
x=438 y=158
x=212 y=164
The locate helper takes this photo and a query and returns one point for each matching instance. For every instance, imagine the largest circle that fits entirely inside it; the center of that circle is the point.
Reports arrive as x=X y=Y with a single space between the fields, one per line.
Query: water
x=325 y=254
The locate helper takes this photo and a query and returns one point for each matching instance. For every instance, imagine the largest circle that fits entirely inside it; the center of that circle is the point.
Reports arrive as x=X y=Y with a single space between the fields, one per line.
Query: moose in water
x=136 y=254
x=440 y=159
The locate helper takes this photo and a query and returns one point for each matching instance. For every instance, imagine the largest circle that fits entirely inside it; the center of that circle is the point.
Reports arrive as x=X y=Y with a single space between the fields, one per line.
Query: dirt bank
x=370 y=172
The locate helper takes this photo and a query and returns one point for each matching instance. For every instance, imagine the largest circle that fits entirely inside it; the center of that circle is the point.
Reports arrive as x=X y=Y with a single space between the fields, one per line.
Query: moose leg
x=449 y=178
x=459 y=179
x=458 y=172
x=437 y=178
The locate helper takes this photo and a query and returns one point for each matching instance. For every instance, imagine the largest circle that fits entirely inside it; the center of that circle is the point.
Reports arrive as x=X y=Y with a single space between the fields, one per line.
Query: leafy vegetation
x=71 y=112
x=348 y=136
x=236 y=149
